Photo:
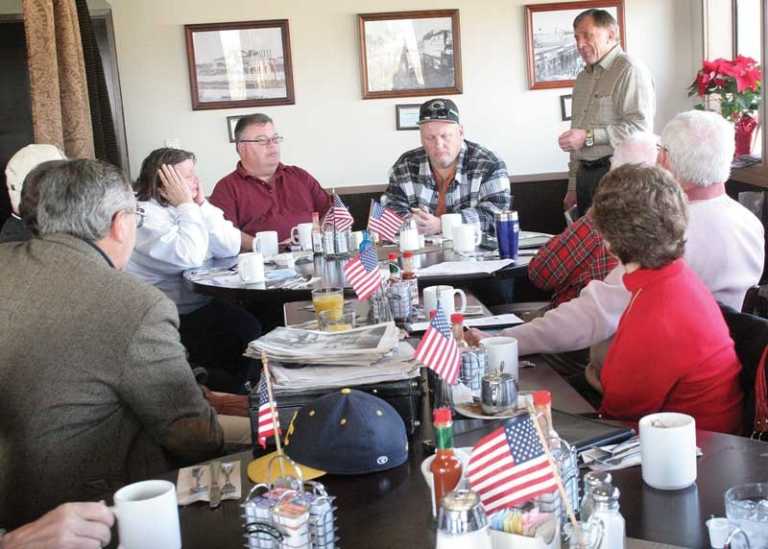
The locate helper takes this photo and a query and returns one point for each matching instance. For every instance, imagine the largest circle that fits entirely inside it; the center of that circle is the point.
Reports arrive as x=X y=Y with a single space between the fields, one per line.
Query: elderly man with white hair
x=570 y=260
x=724 y=242
x=19 y=166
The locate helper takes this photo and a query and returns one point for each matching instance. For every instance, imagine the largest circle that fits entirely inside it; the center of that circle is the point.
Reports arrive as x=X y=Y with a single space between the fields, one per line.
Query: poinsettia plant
x=736 y=83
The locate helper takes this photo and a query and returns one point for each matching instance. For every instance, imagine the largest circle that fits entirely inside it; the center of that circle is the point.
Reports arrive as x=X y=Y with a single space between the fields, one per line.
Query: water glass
x=331 y=321
x=746 y=507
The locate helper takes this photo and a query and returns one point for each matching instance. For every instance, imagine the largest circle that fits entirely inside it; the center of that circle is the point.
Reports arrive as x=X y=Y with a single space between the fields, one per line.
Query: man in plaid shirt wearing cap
x=447 y=174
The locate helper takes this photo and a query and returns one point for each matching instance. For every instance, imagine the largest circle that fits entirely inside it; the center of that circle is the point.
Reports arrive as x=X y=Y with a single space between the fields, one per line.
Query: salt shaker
x=605 y=500
x=461 y=522
x=592 y=480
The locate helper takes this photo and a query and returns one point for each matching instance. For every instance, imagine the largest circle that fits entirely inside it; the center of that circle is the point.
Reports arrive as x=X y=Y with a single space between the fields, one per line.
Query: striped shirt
x=614 y=98
x=479 y=190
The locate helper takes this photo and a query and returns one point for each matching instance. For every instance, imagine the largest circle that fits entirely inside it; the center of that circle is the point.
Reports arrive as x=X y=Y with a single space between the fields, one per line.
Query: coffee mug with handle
x=250 y=267
x=501 y=353
x=301 y=235
x=465 y=238
x=448 y=222
x=445 y=296
x=668 y=450
x=148 y=515
x=266 y=242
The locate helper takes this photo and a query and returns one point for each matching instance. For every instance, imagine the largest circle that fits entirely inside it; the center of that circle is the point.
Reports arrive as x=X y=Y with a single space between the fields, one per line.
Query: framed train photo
x=553 y=60
x=410 y=53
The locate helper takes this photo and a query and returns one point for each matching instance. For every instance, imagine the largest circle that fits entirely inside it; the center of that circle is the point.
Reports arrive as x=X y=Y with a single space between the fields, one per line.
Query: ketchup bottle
x=446 y=467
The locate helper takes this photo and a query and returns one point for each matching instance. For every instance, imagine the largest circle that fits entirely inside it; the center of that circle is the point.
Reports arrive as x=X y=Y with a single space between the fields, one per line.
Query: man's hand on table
x=426 y=223
x=473 y=336
x=69 y=526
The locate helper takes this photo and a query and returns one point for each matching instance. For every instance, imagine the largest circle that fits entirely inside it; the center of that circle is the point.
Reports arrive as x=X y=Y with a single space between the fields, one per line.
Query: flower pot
x=744 y=129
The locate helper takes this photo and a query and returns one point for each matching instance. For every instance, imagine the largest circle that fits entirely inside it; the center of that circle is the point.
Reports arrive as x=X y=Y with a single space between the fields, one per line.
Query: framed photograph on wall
x=407 y=116
x=243 y=64
x=553 y=60
x=410 y=53
x=231 y=123
x=566 y=102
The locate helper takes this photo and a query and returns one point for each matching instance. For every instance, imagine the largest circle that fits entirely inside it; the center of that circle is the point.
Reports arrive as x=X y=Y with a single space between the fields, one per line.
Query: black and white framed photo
x=410 y=53
x=231 y=123
x=242 y=64
x=566 y=103
x=553 y=60
x=407 y=116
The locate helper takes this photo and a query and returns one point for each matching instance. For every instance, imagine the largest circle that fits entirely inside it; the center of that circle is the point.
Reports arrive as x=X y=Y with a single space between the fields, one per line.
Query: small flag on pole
x=338 y=216
x=266 y=411
x=438 y=349
x=362 y=273
x=385 y=222
x=509 y=465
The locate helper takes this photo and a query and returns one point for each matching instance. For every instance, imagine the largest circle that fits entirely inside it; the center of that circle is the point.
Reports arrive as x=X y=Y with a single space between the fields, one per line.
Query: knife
x=215 y=490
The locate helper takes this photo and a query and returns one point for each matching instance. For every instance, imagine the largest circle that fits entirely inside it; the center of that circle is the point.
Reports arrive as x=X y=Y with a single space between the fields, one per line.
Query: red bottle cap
x=441 y=415
x=542 y=398
x=407 y=254
x=457 y=318
x=392 y=257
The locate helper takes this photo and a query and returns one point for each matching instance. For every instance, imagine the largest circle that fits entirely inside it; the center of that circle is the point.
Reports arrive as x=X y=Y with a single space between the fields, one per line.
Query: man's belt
x=604 y=162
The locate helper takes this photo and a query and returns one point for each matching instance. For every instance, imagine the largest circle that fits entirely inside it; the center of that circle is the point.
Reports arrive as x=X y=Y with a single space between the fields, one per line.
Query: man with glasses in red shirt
x=263 y=194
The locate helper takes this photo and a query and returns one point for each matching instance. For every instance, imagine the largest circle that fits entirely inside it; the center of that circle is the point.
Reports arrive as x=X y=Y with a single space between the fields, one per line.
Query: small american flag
x=338 y=216
x=385 y=222
x=438 y=349
x=509 y=465
x=362 y=273
x=266 y=425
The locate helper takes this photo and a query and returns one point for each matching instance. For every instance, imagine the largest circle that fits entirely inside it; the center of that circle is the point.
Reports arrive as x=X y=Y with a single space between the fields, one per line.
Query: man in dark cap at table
x=447 y=174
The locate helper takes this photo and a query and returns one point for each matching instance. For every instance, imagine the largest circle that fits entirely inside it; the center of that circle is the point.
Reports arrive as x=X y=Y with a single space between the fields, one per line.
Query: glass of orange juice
x=328 y=299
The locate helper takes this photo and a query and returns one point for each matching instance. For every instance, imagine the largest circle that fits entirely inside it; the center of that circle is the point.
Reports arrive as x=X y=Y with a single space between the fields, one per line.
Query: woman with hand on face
x=180 y=231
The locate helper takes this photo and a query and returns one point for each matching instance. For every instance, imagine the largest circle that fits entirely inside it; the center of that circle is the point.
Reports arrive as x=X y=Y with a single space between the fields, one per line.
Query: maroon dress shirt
x=254 y=205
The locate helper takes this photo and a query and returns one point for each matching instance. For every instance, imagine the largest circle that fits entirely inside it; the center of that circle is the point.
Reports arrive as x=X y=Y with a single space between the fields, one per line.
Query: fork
x=228 y=488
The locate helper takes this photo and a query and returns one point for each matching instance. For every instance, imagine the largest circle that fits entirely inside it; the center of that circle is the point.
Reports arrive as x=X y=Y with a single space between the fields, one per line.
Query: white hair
x=700 y=147
x=638 y=148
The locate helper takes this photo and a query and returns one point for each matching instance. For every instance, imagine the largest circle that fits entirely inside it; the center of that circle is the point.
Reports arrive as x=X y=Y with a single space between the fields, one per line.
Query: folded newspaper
x=356 y=347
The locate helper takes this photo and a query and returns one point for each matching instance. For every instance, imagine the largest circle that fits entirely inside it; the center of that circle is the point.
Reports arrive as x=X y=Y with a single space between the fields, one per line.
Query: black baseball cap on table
x=439 y=110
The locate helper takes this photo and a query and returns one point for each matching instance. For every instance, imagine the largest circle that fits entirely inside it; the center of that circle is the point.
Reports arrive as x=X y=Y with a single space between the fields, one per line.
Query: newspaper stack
x=357 y=347
x=371 y=354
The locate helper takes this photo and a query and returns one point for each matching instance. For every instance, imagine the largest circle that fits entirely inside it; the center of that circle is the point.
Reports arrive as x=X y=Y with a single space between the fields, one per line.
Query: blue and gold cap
x=348 y=432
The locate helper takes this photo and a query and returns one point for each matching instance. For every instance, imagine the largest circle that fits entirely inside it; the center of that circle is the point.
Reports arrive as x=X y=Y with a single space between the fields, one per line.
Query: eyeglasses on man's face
x=264 y=141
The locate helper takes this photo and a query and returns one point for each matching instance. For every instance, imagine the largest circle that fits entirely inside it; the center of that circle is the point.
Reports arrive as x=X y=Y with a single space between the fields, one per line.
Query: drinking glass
x=331 y=321
x=746 y=507
x=328 y=299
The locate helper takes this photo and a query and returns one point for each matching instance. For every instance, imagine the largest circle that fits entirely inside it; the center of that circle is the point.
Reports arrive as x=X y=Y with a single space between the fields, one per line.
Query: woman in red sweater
x=672 y=351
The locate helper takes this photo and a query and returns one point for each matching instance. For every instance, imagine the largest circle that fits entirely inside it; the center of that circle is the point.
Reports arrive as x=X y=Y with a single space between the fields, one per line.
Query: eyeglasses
x=264 y=141
x=660 y=147
x=140 y=215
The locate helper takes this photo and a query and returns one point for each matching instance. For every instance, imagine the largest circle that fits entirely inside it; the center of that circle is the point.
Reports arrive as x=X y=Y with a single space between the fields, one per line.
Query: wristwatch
x=590 y=140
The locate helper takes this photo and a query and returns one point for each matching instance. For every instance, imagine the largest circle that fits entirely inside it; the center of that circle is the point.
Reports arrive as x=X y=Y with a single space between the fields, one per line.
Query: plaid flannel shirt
x=570 y=260
x=479 y=190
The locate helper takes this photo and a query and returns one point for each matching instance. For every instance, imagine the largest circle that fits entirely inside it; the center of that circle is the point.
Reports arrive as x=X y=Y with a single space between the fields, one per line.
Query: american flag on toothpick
x=268 y=417
x=438 y=349
x=338 y=216
x=510 y=466
x=363 y=274
x=385 y=222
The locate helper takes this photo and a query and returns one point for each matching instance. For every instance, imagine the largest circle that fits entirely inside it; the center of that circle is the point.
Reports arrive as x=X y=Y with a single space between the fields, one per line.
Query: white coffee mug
x=465 y=238
x=445 y=296
x=301 y=234
x=148 y=515
x=266 y=241
x=448 y=222
x=668 y=450
x=250 y=267
x=501 y=353
x=409 y=240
